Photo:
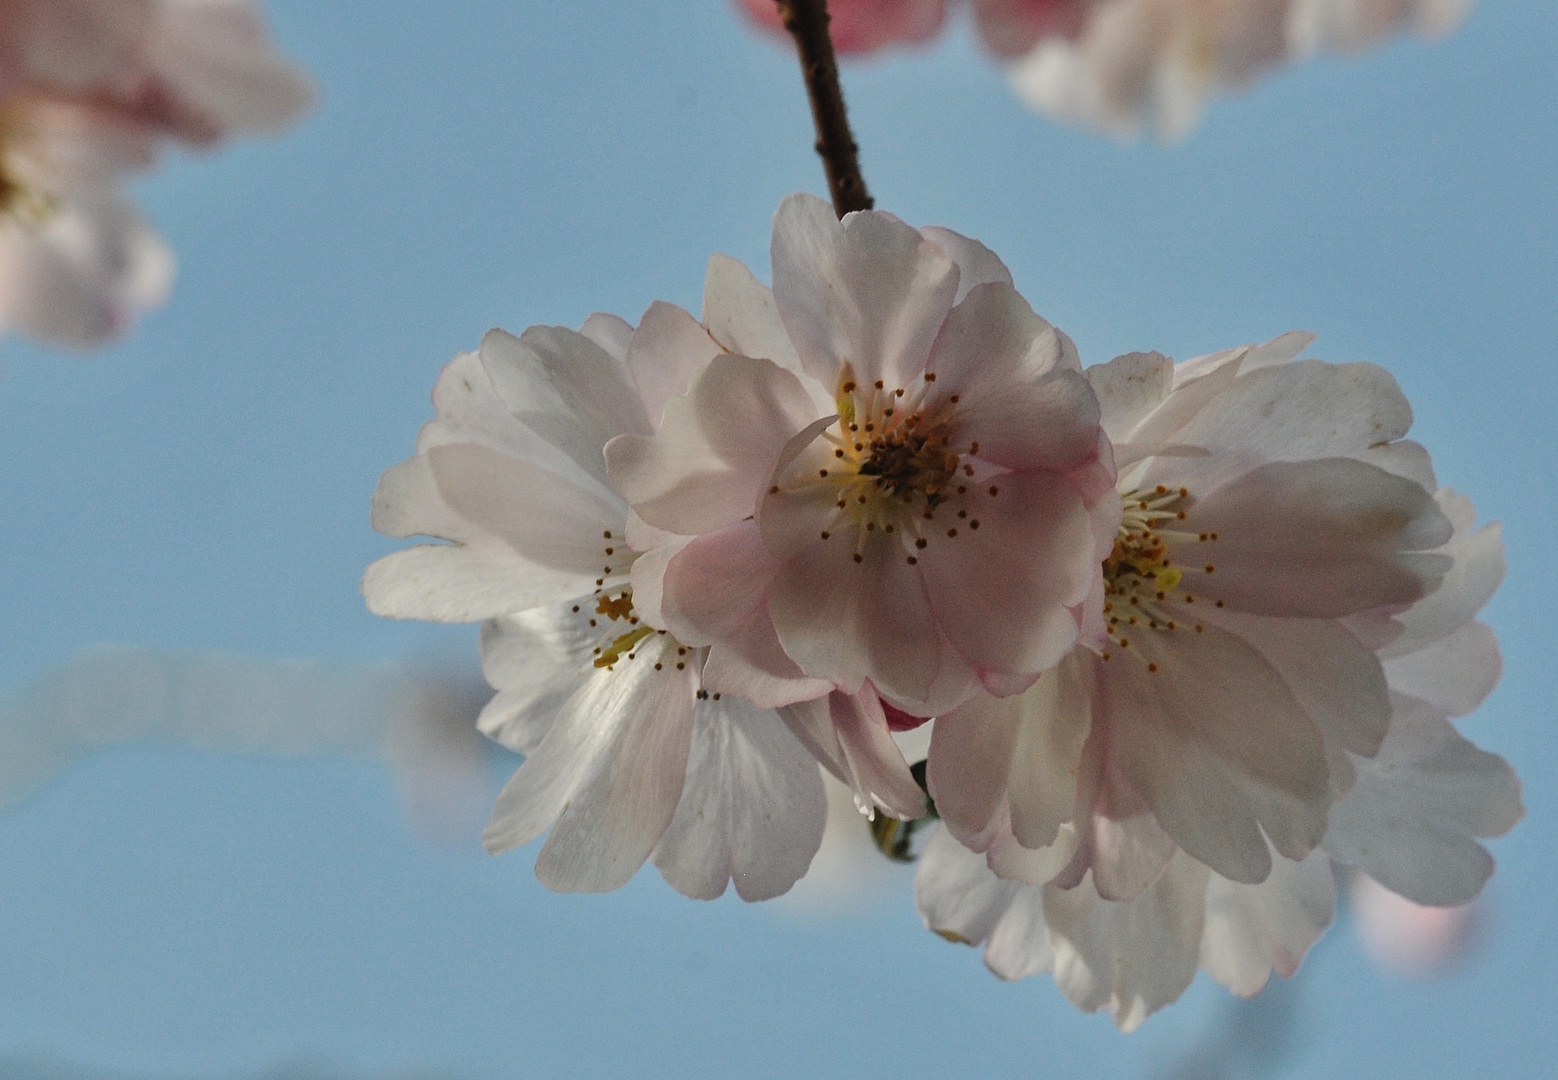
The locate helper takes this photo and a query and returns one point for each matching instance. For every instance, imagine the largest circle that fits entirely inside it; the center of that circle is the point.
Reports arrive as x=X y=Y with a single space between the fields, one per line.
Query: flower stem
x=807 y=21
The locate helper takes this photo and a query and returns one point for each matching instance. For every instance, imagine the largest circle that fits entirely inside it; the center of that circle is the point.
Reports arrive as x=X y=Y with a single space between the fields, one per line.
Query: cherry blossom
x=1132 y=818
x=89 y=91
x=863 y=26
x=1154 y=64
x=1125 y=66
x=1009 y=28
x=895 y=482
x=628 y=756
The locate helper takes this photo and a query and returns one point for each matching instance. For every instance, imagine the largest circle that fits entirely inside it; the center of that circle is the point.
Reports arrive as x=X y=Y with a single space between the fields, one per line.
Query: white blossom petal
x=1412 y=820
x=1132 y=958
x=752 y=809
x=1255 y=930
x=606 y=778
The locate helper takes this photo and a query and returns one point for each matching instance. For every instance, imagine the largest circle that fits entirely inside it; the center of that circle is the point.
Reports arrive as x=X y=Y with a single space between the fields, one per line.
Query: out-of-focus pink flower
x=1128 y=66
x=1154 y=64
x=89 y=92
x=1008 y=27
x=1406 y=938
x=863 y=26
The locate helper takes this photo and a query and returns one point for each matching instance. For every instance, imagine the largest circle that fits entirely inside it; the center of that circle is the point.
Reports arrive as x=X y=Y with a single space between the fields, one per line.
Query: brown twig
x=807 y=21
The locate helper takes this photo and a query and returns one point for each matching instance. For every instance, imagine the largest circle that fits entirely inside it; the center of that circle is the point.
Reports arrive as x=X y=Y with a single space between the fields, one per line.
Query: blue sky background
x=484 y=162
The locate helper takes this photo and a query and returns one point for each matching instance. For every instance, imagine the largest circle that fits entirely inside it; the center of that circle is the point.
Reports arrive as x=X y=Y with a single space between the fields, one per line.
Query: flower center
x=894 y=466
x=1144 y=591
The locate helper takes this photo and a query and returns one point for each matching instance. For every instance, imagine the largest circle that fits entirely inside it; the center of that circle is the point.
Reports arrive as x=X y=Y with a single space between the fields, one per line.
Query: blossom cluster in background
x=1188 y=632
x=1124 y=66
x=90 y=92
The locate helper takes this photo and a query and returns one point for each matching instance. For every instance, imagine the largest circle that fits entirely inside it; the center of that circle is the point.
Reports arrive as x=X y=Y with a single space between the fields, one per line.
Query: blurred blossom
x=862 y=26
x=1288 y=627
x=1128 y=66
x=420 y=724
x=1406 y=938
x=1154 y=64
x=39 y=1068
x=90 y=90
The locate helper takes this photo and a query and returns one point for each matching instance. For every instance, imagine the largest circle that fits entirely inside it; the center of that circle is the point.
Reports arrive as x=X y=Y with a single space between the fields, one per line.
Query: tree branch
x=807 y=21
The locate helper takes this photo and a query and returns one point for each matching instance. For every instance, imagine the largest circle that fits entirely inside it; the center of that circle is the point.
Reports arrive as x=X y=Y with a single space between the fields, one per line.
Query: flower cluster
x=89 y=91
x=1122 y=66
x=1189 y=632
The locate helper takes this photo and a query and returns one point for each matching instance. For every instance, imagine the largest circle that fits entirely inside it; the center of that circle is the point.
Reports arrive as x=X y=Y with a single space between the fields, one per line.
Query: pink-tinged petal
x=988 y=343
x=1131 y=958
x=716 y=449
x=1050 y=423
x=543 y=517
x=1337 y=680
x=1217 y=746
x=847 y=621
x=1117 y=837
x=566 y=389
x=1253 y=931
x=740 y=313
x=752 y=809
x=627 y=775
x=1129 y=388
x=977 y=264
x=957 y=895
x=1315 y=539
x=536 y=659
x=717 y=589
x=1413 y=818
x=611 y=332
x=666 y=353
x=874 y=759
x=1019 y=755
x=217 y=61
x=717 y=584
x=1470 y=583
x=849 y=736
x=1001 y=591
x=971 y=750
x=868 y=292
x=1453 y=674
x=1297 y=412
x=465 y=583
